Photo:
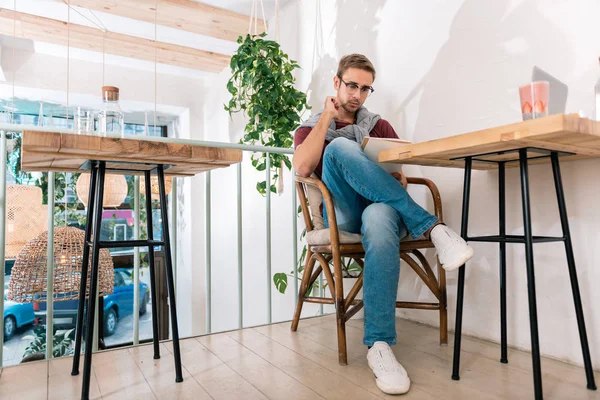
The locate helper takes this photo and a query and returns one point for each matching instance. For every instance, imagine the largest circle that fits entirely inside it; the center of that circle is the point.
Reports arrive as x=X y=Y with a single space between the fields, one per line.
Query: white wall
x=444 y=67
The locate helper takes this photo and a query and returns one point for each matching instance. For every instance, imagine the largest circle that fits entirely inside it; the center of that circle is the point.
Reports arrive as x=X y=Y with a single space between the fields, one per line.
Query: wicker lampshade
x=154 y=186
x=29 y=274
x=115 y=189
x=26 y=217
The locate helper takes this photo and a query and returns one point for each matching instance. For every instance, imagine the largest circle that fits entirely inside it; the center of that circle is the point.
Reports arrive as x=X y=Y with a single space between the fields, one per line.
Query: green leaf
x=354 y=267
x=231 y=88
x=262 y=87
x=261 y=187
x=280 y=281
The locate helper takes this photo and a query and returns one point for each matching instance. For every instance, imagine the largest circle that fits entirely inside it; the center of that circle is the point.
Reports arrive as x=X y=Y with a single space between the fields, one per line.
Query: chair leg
x=443 y=306
x=304 y=285
x=341 y=332
x=340 y=309
x=562 y=207
x=436 y=285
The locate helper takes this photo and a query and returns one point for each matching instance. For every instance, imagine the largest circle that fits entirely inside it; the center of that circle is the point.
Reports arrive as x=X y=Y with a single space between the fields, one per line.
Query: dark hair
x=355 y=61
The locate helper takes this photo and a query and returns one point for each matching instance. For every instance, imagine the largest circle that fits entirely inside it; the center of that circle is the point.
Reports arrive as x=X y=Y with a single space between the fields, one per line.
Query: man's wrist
x=328 y=115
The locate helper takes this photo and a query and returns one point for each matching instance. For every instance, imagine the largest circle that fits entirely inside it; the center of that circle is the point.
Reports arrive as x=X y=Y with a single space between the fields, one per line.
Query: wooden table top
x=563 y=133
x=52 y=151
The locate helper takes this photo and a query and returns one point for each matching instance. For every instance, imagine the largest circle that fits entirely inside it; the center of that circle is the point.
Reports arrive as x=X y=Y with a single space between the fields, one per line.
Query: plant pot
x=349 y=284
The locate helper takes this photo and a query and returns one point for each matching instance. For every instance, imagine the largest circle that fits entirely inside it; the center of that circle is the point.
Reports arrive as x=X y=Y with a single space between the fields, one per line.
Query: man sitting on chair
x=370 y=201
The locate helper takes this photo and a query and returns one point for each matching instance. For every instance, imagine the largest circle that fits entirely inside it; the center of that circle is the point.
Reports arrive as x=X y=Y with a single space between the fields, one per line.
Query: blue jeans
x=368 y=200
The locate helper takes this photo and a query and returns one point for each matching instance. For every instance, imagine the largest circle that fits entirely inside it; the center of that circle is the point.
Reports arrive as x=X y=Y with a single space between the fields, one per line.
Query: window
x=126 y=277
x=119 y=279
x=117 y=225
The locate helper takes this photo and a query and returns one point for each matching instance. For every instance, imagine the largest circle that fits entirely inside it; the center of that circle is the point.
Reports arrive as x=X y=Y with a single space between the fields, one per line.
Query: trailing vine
x=262 y=87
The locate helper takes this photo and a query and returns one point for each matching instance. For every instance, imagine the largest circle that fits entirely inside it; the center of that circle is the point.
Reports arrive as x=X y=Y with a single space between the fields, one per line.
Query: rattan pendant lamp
x=28 y=282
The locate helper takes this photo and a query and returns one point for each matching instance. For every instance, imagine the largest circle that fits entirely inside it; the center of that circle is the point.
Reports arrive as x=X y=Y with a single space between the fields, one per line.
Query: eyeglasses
x=365 y=91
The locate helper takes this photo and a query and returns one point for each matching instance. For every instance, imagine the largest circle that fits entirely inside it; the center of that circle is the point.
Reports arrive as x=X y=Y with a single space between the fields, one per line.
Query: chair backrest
x=311 y=199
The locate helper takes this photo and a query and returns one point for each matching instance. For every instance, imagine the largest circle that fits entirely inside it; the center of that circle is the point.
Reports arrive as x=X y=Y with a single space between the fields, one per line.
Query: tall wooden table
x=567 y=137
x=50 y=151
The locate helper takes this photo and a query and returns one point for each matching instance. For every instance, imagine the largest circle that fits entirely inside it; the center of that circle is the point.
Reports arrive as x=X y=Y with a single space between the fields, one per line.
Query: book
x=373 y=145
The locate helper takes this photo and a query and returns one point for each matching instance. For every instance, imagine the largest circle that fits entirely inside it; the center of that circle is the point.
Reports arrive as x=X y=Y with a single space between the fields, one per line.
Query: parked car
x=16 y=315
x=116 y=305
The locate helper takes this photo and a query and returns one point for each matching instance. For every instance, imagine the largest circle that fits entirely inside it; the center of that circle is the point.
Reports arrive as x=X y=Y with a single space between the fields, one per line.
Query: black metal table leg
x=94 y=244
x=149 y=229
x=528 y=239
x=89 y=334
x=169 y=267
x=84 y=271
x=101 y=343
x=562 y=208
x=461 y=271
x=533 y=321
x=502 y=257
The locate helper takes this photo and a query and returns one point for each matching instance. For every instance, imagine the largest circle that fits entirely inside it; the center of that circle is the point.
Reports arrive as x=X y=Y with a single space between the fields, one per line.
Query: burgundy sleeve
x=300 y=135
x=383 y=129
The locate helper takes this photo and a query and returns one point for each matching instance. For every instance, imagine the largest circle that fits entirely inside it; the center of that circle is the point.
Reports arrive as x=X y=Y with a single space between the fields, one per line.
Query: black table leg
x=101 y=343
x=89 y=334
x=461 y=271
x=150 y=231
x=562 y=207
x=93 y=225
x=84 y=271
x=502 y=232
x=169 y=267
x=533 y=321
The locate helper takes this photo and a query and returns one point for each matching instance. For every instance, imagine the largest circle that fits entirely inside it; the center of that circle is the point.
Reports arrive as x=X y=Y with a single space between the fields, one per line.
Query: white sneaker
x=390 y=376
x=452 y=250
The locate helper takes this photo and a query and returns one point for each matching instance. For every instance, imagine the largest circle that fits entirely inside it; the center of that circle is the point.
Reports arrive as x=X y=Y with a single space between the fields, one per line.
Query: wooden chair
x=330 y=244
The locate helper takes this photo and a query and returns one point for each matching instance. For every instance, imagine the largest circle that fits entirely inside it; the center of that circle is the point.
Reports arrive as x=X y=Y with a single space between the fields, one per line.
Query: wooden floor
x=270 y=362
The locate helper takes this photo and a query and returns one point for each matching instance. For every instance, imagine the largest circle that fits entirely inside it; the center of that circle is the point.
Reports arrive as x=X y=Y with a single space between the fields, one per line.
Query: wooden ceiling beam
x=185 y=15
x=87 y=38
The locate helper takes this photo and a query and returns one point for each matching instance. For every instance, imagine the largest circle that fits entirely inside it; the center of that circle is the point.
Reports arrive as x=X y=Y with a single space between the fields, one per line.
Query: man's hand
x=307 y=155
x=400 y=177
x=332 y=106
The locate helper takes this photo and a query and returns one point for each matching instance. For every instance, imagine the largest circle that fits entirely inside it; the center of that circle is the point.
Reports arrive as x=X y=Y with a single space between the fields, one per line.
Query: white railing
x=208 y=191
x=4 y=128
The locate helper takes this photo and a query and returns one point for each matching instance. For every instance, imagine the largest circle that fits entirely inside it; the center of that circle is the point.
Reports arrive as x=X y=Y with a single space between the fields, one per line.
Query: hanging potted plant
x=262 y=87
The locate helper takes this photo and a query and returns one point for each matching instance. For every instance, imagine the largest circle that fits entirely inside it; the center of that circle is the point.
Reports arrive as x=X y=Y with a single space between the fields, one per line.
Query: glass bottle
x=83 y=122
x=110 y=118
